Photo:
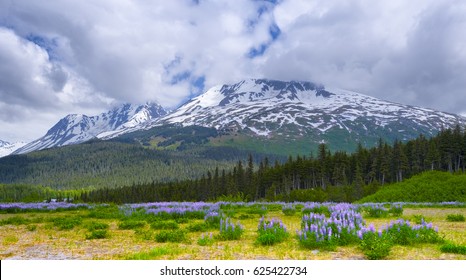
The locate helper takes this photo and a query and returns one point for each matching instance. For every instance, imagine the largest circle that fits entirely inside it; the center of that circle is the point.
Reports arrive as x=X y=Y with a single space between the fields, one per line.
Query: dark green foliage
x=318 y=209
x=132 y=224
x=97 y=234
x=453 y=248
x=67 y=223
x=260 y=210
x=229 y=230
x=402 y=233
x=198 y=227
x=164 y=225
x=16 y=220
x=289 y=211
x=106 y=212
x=271 y=232
x=376 y=211
x=396 y=210
x=455 y=218
x=375 y=246
x=171 y=236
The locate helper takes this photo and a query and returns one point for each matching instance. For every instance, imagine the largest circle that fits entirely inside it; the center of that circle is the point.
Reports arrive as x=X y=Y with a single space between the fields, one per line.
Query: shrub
x=165 y=225
x=340 y=228
x=177 y=235
x=96 y=226
x=375 y=245
x=402 y=233
x=453 y=248
x=199 y=226
x=262 y=210
x=396 y=210
x=97 y=234
x=376 y=211
x=106 y=212
x=289 y=210
x=67 y=223
x=16 y=220
x=230 y=231
x=271 y=232
x=316 y=233
x=31 y=227
x=212 y=219
x=205 y=240
x=318 y=209
x=131 y=224
x=455 y=218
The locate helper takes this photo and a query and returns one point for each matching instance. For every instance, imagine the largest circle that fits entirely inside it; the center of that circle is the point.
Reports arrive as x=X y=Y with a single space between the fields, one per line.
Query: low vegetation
x=142 y=231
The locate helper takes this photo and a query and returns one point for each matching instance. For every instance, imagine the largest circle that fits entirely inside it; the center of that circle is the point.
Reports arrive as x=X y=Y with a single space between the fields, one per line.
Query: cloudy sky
x=63 y=56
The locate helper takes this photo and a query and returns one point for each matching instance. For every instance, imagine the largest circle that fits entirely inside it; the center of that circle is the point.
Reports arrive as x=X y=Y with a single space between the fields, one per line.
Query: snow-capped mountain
x=76 y=128
x=294 y=109
x=7 y=148
x=268 y=109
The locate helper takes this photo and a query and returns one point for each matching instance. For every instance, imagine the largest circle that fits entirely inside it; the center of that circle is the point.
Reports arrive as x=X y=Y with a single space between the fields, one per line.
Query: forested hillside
x=325 y=176
x=113 y=164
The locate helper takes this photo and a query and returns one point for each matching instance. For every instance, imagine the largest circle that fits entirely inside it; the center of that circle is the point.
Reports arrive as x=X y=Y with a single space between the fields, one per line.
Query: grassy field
x=113 y=232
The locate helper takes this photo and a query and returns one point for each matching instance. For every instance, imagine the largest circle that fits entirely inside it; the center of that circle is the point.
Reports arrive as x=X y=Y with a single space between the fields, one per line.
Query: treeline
x=326 y=176
x=29 y=193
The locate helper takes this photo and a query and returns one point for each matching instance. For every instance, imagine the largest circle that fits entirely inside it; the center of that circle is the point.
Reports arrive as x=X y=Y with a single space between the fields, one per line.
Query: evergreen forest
x=325 y=176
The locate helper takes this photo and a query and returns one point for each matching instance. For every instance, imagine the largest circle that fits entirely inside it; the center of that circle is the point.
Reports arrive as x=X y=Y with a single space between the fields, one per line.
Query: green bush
x=171 y=236
x=453 y=248
x=198 y=226
x=106 y=212
x=230 y=231
x=376 y=211
x=16 y=220
x=318 y=209
x=375 y=246
x=165 y=225
x=67 y=223
x=289 y=210
x=271 y=232
x=455 y=218
x=396 y=210
x=257 y=209
x=97 y=234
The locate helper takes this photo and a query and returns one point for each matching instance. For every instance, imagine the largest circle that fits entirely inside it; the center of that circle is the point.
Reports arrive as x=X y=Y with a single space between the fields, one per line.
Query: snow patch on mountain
x=77 y=128
x=265 y=107
x=7 y=148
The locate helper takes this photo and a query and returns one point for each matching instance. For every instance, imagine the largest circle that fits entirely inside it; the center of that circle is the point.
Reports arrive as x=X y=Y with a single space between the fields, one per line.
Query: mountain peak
x=292 y=109
x=78 y=128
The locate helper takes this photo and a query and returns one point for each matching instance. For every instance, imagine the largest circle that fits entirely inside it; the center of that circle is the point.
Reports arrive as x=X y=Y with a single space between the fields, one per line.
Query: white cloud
x=62 y=57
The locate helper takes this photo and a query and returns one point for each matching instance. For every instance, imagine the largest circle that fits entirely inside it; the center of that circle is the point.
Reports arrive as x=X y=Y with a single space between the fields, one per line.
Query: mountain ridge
x=264 y=109
x=78 y=128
